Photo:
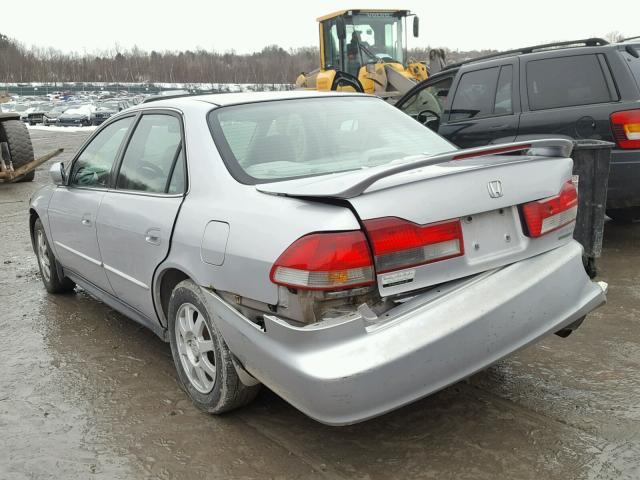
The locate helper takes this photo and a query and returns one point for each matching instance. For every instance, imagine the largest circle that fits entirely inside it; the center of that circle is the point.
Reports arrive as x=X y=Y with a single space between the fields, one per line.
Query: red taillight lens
x=549 y=214
x=626 y=128
x=398 y=243
x=325 y=261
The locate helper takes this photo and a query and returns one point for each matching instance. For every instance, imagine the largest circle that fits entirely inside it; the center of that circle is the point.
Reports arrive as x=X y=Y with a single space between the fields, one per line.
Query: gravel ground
x=87 y=393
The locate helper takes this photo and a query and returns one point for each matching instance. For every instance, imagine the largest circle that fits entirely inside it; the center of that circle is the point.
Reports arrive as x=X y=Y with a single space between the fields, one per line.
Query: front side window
x=272 y=141
x=475 y=95
x=151 y=155
x=93 y=167
x=565 y=82
x=375 y=36
x=331 y=45
x=429 y=99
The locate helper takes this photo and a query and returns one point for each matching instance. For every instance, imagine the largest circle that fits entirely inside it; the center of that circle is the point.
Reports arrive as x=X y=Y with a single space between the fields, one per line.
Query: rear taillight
x=626 y=128
x=549 y=214
x=398 y=243
x=325 y=261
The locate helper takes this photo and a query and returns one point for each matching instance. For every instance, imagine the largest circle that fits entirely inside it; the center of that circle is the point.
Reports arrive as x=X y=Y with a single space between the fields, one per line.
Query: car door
x=136 y=216
x=568 y=96
x=485 y=106
x=427 y=101
x=74 y=207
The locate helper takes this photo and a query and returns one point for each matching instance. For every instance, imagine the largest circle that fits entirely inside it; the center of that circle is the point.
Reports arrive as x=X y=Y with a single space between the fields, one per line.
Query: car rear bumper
x=346 y=371
x=624 y=179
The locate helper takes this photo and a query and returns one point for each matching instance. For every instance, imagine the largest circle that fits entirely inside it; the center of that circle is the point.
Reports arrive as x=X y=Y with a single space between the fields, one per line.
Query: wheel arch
x=166 y=281
x=33 y=216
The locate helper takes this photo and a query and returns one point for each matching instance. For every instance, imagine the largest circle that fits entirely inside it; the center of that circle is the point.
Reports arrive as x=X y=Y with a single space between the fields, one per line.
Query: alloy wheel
x=195 y=348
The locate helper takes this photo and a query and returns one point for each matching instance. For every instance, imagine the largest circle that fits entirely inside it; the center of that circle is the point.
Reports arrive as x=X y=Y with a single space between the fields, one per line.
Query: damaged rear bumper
x=348 y=370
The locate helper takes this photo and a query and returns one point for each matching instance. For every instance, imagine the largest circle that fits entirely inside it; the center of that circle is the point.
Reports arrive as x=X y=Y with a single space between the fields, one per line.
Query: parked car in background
x=36 y=116
x=293 y=239
x=51 y=117
x=584 y=89
x=104 y=110
x=81 y=115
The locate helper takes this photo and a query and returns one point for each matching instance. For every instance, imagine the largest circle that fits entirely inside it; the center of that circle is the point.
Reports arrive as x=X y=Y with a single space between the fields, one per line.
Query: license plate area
x=492 y=234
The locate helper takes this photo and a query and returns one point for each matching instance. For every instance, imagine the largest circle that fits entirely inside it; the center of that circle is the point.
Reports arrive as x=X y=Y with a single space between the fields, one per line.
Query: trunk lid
x=481 y=191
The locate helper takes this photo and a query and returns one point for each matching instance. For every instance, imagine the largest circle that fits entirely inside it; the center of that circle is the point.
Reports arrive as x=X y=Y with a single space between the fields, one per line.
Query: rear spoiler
x=353 y=183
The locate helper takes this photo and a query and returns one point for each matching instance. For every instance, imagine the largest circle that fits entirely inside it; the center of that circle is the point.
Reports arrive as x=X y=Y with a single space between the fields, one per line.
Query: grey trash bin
x=591 y=160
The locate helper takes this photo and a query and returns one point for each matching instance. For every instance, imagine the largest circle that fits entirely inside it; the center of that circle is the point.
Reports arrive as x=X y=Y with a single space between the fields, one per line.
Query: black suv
x=578 y=90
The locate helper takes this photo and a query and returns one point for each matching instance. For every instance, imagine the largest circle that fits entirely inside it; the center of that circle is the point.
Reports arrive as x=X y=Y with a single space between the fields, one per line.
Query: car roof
x=224 y=99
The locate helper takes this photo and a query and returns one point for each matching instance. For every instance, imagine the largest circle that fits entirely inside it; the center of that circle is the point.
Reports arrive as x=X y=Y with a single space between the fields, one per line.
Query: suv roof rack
x=637 y=37
x=587 y=42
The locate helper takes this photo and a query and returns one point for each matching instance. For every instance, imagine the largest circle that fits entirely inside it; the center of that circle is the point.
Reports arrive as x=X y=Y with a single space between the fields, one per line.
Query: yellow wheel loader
x=365 y=51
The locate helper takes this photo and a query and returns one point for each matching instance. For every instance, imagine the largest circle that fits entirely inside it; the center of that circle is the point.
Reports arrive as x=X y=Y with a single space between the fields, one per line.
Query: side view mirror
x=416 y=26
x=57 y=173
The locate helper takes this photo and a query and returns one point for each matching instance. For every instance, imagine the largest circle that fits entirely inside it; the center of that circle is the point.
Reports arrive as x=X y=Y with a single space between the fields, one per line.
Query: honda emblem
x=495 y=189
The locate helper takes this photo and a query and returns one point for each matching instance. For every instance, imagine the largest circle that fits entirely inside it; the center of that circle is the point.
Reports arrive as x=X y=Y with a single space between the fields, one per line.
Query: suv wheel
x=202 y=359
x=624 y=215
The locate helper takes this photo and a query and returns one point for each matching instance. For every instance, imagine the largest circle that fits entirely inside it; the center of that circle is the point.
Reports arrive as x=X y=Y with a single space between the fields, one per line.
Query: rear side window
x=475 y=94
x=566 y=82
x=151 y=155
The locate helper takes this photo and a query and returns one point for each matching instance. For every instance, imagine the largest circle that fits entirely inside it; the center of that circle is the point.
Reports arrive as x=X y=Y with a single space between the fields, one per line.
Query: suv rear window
x=634 y=63
x=566 y=82
x=269 y=141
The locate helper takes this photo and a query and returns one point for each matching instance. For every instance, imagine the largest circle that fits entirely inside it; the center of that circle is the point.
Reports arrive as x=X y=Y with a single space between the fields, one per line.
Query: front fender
x=39 y=206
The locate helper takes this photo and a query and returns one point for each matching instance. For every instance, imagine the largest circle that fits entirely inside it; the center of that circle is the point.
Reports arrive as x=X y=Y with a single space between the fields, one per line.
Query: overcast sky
x=248 y=26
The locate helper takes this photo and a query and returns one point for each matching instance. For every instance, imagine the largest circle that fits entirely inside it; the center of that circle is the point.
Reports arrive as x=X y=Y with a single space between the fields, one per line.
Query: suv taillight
x=325 y=261
x=398 y=243
x=549 y=214
x=626 y=128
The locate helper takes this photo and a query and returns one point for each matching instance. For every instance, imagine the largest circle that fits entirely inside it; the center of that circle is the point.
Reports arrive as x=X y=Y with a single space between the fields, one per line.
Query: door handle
x=499 y=127
x=152 y=236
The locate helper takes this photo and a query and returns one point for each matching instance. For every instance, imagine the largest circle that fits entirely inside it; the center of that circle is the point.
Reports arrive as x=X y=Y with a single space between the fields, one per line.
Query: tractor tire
x=344 y=81
x=15 y=133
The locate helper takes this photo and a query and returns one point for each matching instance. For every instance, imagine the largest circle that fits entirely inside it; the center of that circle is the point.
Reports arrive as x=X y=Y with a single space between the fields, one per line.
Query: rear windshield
x=634 y=63
x=279 y=140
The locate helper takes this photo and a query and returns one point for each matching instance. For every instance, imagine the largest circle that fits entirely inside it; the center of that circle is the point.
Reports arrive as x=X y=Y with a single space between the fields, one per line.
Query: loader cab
x=354 y=38
x=351 y=39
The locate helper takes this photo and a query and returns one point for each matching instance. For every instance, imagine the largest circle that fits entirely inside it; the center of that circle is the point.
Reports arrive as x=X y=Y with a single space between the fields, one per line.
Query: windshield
x=270 y=141
x=375 y=36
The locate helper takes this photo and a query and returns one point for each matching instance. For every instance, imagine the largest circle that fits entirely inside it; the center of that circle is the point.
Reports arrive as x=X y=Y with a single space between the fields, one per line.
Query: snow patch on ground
x=54 y=128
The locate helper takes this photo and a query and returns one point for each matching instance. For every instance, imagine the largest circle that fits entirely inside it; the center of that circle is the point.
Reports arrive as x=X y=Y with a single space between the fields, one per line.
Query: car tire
x=202 y=359
x=624 y=215
x=15 y=133
x=47 y=263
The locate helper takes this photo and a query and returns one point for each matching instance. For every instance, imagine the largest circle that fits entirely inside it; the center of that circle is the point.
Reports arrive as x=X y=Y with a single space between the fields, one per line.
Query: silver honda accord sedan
x=325 y=245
